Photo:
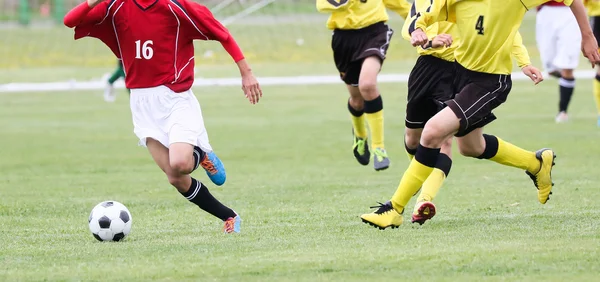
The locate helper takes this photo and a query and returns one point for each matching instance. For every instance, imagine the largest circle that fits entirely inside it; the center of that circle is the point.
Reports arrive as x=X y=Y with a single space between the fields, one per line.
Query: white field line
x=233 y=81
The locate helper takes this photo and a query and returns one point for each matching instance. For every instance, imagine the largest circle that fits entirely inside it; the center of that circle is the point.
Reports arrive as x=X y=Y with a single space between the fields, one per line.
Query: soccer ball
x=110 y=221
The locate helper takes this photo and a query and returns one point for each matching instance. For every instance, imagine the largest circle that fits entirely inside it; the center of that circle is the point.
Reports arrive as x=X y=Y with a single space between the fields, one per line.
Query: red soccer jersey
x=551 y=3
x=154 y=40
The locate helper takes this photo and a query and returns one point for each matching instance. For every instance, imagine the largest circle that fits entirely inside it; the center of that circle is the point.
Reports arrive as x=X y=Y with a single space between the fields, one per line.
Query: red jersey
x=551 y=3
x=154 y=40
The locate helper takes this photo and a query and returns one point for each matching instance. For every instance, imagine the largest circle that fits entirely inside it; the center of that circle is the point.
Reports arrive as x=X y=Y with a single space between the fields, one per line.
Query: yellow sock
x=360 y=128
x=374 y=115
x=410 y=183
x=375 y=121
x=511 y=155
x=410 y=153
x=432 y=185
x=597 y=93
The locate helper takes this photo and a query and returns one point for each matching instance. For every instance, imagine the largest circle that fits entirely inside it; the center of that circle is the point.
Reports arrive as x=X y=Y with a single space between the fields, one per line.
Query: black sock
x=374 y=105
x=199 y=195
x=567 y=85
x=198 y=156
x=491 y=147
x=409 y=150
x=427 y=156
x=444 y=163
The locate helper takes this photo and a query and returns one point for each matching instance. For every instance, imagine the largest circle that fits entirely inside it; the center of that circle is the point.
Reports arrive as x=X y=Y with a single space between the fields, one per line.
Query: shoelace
x=208 y=165
x=229 y=225
x=382 y=208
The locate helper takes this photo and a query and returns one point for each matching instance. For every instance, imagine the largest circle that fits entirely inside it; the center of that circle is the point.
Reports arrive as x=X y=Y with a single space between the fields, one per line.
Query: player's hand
x=589 y=48
x=93 y=3
x=441 y=40
x=418 y=38
x=251 y=88
x=533 y=73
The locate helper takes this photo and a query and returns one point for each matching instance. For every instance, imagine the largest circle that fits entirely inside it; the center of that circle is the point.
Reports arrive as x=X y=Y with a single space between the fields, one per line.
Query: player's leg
x=344 y=45
x=360 y=147
x=595 y=21
x=538 y=165
x=373 y=108
x=567 y=58
x=177 y=162
x=437 y=130
x=109 y=90
x=566 y=84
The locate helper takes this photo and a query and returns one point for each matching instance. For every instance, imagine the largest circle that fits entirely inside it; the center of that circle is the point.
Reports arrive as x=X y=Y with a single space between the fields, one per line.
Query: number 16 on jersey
x=144 y=50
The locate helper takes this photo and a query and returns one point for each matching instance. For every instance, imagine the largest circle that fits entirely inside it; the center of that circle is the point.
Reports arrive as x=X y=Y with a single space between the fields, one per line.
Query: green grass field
x=293 y=179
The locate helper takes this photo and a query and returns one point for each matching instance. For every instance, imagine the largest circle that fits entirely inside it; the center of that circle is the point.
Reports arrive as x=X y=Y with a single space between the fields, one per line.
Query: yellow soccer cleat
x=543 y=178
x=385 y=216
x=423 y=211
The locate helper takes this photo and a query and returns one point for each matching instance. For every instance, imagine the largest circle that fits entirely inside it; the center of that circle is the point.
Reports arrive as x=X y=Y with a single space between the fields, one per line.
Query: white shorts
x=558 y=38
x=168 y=117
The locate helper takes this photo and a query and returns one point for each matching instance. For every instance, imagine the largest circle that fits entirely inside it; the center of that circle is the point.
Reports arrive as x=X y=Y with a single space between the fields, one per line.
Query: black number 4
x=479 y=25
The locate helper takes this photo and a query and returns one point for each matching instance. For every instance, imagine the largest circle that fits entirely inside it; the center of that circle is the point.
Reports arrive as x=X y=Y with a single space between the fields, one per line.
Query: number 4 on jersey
x=479 y=25
x=144 y=50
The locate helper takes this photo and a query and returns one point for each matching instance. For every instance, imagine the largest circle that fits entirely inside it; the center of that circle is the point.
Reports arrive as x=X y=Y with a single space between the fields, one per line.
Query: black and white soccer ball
x=110 y=221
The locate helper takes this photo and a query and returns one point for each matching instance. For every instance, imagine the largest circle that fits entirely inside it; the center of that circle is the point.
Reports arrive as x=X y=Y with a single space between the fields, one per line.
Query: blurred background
x=279 y=37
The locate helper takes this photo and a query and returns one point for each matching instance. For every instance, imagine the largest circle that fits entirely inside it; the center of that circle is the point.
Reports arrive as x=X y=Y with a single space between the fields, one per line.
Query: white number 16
x=144 y=50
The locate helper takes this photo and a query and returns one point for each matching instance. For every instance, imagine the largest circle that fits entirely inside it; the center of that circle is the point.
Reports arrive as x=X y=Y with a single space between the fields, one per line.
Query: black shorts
x=352 y=46
x=429 y=86
x=478 y=94
x=595 y=23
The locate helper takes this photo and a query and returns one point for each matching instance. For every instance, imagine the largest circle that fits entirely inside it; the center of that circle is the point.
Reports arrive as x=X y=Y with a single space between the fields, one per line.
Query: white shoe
x=109 y=93
x=562 y=117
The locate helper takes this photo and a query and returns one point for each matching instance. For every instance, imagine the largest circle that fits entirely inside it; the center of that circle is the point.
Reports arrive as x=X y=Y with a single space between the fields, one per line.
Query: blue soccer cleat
x=214 y=168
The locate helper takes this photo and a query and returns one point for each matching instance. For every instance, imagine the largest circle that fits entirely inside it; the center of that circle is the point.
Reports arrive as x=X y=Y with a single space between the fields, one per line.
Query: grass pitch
x=293 y=179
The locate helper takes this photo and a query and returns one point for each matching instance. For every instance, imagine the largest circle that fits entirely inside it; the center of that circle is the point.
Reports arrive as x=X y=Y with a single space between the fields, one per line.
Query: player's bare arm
x=589 y=45
x=533 y=73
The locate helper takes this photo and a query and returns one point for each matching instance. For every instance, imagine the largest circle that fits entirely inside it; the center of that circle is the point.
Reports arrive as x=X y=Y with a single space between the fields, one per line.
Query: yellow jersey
x=593 y=7
x=519 y=51
x=357 y=14
x=487 y=29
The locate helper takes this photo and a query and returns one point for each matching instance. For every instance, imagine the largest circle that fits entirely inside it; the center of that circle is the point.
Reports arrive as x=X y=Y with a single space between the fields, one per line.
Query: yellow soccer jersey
x=357 y=14
x=432 y=30
x=487 y=29
x=593 y=7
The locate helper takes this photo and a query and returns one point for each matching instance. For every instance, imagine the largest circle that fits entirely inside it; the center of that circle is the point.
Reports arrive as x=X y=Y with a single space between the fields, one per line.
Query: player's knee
x=178 y=181
x=412 y=138
x=181 y=166
x=356 y=103
x=368 y=88
x=469 y=151
x=431 y=137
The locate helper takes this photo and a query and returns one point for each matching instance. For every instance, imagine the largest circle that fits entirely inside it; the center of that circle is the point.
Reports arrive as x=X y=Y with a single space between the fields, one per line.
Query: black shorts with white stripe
x=478 y=95
x=429 y=86
x=352 y=46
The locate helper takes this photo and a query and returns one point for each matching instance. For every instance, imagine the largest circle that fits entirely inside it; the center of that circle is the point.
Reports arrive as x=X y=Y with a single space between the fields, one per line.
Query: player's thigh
x=181 y=157
x=472 y=144
x=440 y=127
x=474 y=104
x=159 y=153
x=185 y=123
x=147 y=115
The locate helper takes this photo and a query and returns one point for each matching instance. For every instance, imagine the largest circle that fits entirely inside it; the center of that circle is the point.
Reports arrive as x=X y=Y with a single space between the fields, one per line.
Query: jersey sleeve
x=411 y=20
x=401 y=7
x=96 y=23
x=436 y=12
x=328 y=6
x=200 y=23
x=519 y=51
x=534 y=3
